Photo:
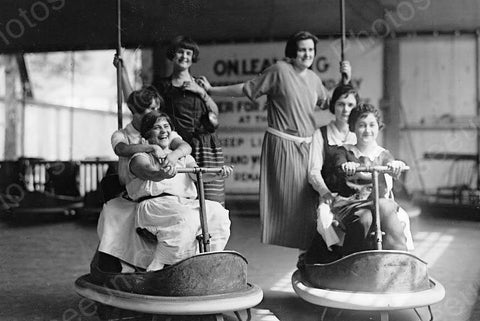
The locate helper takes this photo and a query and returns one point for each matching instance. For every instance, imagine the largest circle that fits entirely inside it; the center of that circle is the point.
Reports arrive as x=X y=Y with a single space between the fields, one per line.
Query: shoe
x=104 y=266
x=301 y=261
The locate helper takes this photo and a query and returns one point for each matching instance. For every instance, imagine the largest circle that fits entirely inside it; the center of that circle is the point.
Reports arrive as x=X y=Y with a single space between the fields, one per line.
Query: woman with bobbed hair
x=167 y=202
x=188 y=105
x=190 y=108
x=293 y=91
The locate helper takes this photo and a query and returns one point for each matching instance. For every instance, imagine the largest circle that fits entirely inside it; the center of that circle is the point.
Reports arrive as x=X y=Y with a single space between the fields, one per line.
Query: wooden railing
x=65 y=178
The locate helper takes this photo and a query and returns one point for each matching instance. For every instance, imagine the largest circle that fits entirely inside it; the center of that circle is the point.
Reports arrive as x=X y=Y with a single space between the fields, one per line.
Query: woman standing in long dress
x=293 y=90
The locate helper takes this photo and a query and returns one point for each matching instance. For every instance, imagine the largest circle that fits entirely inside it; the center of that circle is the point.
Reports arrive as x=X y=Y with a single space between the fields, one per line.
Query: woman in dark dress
x=188 y=104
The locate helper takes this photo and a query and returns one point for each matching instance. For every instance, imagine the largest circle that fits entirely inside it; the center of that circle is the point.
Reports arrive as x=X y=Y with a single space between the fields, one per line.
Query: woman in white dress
x=168 y=205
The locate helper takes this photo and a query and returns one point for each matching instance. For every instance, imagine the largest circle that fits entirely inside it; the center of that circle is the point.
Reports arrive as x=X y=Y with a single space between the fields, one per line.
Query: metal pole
x=120 y=66
x=205 y=241
x=378 y=230
x=477 y=80
x=342 y=30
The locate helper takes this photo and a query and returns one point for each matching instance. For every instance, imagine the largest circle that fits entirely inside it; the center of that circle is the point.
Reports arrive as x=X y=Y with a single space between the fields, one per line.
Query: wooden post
x=391 y=101
x=13 y=115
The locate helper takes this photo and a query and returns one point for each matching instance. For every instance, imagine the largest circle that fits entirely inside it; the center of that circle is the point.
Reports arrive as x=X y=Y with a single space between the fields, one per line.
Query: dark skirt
x=207 y=152
x=287 y=201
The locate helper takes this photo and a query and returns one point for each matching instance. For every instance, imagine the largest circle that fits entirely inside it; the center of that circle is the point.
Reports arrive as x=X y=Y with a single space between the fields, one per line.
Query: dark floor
x=40 y=259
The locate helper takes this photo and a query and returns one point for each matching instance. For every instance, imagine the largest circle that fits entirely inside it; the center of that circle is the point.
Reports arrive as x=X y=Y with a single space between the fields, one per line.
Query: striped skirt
x=287 y=201
x=207 y=152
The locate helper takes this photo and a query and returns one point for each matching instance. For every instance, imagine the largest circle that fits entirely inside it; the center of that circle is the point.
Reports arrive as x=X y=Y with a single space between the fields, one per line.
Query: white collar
x=375 y=153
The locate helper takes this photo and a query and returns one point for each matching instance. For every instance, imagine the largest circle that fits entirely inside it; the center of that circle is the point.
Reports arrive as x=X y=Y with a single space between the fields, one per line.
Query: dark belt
x=147 y=197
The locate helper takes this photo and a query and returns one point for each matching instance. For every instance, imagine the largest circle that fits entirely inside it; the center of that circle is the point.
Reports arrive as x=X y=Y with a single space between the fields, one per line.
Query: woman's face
x=160 y=133
x=305 y=54
x=343 y=107
x=366 y=129
x=183 y=58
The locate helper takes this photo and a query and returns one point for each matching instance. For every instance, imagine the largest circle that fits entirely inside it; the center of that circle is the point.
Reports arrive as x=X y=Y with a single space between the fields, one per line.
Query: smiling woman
x=191 y=109
x=167 y=203
x=293 y=90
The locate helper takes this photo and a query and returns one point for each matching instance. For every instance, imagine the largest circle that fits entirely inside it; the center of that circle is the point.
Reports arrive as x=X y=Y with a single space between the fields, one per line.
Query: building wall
x=437 y=81
x=438 y=91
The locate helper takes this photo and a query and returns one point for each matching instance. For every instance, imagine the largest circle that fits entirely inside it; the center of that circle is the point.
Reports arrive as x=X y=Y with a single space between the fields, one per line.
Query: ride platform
x=205 y=285
x=376 y=280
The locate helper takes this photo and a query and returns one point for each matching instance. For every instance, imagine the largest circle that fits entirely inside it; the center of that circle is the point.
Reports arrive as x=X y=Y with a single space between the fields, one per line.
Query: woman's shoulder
x=279 y=66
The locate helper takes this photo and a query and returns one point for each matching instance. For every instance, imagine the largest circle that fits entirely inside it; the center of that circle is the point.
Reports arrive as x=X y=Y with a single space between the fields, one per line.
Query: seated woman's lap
x=360 y=226
x=176 y=223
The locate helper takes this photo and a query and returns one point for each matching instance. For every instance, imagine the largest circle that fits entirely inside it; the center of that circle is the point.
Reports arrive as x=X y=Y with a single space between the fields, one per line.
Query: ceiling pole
x=120 y=65
x=477 y=80
x=342 y=30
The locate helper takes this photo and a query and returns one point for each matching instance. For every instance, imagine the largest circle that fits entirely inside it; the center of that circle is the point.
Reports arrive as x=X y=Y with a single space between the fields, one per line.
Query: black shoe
x=301 y=261
x=104 y=266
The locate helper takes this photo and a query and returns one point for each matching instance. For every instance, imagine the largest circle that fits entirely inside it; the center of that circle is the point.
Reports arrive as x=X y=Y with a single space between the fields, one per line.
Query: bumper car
x=31 y=187
x=204 y=285
x=374 y=280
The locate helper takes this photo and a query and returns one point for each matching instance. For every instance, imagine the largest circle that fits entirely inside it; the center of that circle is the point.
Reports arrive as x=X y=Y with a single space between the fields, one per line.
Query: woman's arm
x=142 y=167
x=197 y=88
x=180 y=148
x=235 y=90
x=126 y=85
x=315 y=165
x=128 y=150
x=226 y=172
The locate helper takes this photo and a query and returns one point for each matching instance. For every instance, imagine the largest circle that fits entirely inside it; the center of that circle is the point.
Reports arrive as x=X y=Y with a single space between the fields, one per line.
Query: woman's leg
x=394 y=238
x=357 y=227
x=318 y=252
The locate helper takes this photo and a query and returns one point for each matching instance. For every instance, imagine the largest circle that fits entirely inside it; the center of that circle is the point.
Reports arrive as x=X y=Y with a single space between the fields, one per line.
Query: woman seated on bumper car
x=346 y=195
x=168 y=207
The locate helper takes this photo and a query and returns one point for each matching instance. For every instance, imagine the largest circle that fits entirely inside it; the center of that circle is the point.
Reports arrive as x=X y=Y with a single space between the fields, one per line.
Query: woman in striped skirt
x=188 y=105
x=293 y=90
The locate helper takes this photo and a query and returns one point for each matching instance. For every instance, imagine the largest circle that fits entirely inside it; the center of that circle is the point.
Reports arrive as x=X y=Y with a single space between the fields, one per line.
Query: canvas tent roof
x=53 y=25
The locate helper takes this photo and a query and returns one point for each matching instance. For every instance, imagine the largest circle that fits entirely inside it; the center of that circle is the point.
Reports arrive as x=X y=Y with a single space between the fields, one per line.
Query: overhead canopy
x=52 y=25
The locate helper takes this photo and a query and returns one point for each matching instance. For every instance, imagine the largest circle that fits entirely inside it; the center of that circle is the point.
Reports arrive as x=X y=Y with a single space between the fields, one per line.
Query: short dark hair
x=183 y=42
x=150 y=119
x=140 y=100
x=341 y=91
x=361 y=111
x=292 y=43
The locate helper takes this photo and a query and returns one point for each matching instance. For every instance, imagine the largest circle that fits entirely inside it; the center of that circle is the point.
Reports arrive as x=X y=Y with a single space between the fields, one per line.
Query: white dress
x=116 y=223
x=174 y=216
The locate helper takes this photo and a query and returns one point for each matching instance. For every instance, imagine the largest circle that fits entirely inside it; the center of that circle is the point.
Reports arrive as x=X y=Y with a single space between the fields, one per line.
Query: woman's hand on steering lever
x=396 y=167
x=168 y=171
x=227 y=170
x=328 y=197
x=170 y=160
x=350 y=168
